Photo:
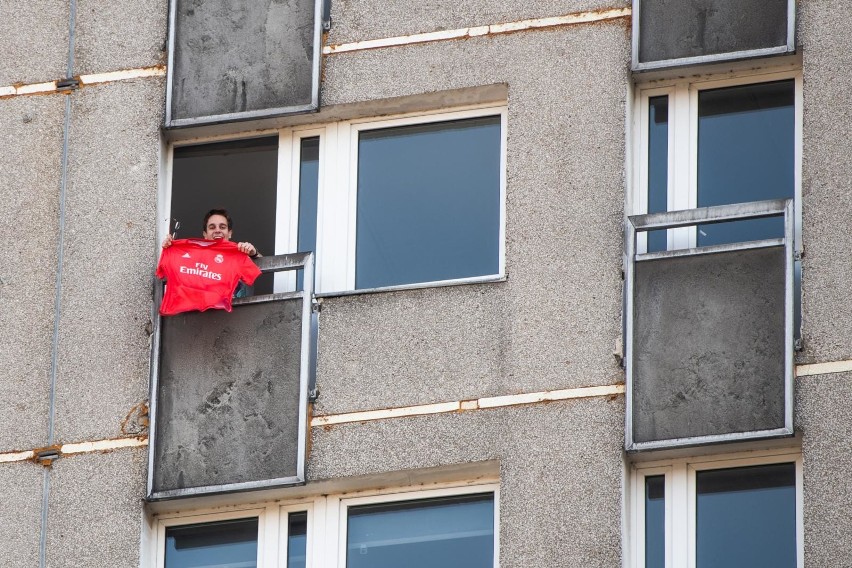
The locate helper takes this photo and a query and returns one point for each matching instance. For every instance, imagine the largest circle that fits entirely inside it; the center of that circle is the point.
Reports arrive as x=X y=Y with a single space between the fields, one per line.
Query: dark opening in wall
x=239 y=176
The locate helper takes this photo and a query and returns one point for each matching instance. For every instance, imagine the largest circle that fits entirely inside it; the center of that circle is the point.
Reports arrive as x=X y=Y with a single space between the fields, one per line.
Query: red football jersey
x=202 y=275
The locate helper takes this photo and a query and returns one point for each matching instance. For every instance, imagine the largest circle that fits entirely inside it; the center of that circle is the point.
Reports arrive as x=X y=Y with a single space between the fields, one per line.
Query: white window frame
x=326 y=524
x=337 y=194
x=682 y=190
x=680 y=495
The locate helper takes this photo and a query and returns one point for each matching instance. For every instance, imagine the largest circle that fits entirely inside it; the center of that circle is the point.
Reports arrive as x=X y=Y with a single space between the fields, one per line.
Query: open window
x=411 y=201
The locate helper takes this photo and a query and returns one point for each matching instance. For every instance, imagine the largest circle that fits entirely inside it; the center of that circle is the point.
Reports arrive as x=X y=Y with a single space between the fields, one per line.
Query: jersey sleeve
x=161 y=266
x=249 y=270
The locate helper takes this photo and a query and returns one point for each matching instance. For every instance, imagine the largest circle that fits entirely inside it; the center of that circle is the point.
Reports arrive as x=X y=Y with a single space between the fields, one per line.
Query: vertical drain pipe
x=57 y=303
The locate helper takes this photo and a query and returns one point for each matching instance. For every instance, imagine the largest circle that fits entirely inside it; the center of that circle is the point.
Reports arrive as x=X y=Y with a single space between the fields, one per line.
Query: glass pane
x=228 y=544
x=428 y=203
x=240 y=176
x=655 y=521
x=746 y=517
x=455 y=532
x=297 y=540
x=745 y=153
x=658 y=165
x=308 y=193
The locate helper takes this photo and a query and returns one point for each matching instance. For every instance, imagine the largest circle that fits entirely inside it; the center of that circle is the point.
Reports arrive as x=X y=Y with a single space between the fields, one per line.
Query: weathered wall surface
x=560 y=471
x=30 y=160
x=555 y=322
x=825 y=420
x=358 y=20
x=113 y=157
x=33 y=40
x=826 y=182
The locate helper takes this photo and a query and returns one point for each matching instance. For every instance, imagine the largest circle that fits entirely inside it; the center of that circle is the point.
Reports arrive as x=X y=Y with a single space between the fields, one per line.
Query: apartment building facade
x=578 y=292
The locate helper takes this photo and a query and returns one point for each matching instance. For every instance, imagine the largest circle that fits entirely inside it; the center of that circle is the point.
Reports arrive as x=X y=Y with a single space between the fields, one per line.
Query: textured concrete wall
x=560 y=471
x=33 y=40
x=120 y=34
x=107 y=276
x=555 y=322
x=94 y=511
x=358 y=20
x=20 y=513
x=825 y=420
x=31 y=140
x=826 y=182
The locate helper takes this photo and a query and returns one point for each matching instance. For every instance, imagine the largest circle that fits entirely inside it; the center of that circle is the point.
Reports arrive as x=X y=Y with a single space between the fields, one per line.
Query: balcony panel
x=709 y=344
x=230 y=399
x=237 y=60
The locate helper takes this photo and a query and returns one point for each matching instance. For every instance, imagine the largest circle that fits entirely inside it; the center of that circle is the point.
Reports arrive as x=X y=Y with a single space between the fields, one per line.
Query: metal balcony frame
x=171 y=122
x=788 y=47
x=718 y=214
x=307 y=374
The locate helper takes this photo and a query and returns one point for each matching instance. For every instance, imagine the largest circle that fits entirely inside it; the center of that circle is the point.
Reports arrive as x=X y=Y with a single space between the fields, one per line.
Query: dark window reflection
x=746 y=517
x=297 y=540
x=428 y=202
x=229 y=544
x=655 y=521
x=658 y=165
x=240 y=176
x=745 y=153
x=308 y=195
x=455 y=532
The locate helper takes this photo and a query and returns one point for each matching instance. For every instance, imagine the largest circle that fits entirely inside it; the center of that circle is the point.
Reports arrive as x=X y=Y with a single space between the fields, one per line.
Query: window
x=718 y=142
x=446 y=532
x=718 y=511
x=446 y=527
x=408 y=201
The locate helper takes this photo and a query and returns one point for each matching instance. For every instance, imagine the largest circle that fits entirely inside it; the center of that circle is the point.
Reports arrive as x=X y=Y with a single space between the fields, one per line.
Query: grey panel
x=228 y=401
x=709 y=345
x=676 y=29
x=233 y=56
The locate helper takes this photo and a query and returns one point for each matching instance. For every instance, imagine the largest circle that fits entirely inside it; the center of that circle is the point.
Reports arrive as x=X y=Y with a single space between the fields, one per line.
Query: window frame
x=337 y=194
x=682 y=186
x=680 y=501
x=327 y=517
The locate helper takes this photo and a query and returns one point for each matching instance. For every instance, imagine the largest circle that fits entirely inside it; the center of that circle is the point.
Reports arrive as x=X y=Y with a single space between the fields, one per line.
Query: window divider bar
x=765 y=243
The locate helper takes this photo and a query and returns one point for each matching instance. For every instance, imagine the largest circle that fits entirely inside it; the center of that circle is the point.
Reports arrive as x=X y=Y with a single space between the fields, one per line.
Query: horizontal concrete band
x=51 y=87
x=464 y=405
x=418 y=410
x=78 y=448
x=492 y=29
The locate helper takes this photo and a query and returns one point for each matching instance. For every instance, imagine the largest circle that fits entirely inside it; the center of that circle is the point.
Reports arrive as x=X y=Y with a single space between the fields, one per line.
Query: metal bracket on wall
x=326 y=15
x=47 y=457
x=69 y=84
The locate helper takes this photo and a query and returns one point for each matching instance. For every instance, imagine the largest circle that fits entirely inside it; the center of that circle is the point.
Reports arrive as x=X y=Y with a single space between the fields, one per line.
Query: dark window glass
x=227 y=544
x=297 y=540
x=655 y=521
x=658 y=165
x=428 y=203
x=308 y=195
x=454 y=532
x=240 y=176
x=745 y=153
x=746 y=517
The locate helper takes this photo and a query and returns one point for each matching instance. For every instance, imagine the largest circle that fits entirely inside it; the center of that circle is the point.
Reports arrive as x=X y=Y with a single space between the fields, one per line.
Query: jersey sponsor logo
x=219 y=258
x=201 y=270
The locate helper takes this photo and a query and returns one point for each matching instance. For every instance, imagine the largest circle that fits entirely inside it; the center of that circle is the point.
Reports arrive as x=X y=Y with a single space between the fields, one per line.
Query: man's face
x=217 y=228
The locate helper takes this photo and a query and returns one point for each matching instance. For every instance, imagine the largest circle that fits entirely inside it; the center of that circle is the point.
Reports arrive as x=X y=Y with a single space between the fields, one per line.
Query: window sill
x=439 y=284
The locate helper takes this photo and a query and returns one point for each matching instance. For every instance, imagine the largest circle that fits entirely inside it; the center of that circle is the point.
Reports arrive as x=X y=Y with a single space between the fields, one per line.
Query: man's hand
x=247 y=248
x=167 y=242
